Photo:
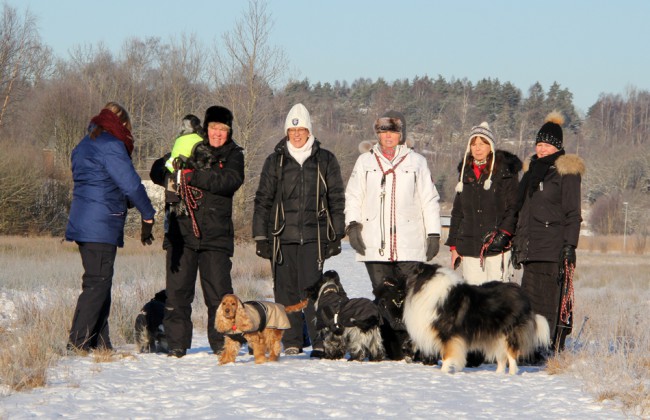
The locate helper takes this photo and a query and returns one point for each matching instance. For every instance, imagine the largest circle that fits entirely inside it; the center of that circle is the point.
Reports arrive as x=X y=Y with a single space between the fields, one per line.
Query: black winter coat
x=477 y=211
x=214 y=214
x=550 y=217
x=284 y=183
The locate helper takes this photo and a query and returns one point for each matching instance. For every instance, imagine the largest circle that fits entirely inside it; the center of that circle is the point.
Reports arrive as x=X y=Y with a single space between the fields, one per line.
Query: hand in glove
x=568 y=254
x=500 y=243
x=186 y=174
x=354 y=235
x=333 y=248
x=146 y=237
x=433 y=245
x=263 y=248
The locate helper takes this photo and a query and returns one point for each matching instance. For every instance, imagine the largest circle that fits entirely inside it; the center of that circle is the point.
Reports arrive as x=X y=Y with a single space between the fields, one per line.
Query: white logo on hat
x=295 y=121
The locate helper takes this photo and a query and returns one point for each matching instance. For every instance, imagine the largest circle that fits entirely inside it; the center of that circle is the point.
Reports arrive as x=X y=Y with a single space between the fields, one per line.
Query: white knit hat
x=483 y=131
x=298 y=116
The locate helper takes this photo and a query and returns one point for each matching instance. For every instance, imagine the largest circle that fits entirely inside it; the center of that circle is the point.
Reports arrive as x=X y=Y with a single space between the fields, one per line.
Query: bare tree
x=23 y=59
x=245 y=73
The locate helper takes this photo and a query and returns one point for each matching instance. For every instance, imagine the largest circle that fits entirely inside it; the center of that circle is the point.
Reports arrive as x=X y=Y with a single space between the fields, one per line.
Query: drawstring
x=393 y=212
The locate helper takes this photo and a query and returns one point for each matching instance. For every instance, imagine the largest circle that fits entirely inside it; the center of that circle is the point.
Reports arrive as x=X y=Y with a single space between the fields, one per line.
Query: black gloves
x=354 y=235
x=500 y=243
x=433 y=245
x=145 y=233
x=333 y=248
x=568 y=254
x=263 y=248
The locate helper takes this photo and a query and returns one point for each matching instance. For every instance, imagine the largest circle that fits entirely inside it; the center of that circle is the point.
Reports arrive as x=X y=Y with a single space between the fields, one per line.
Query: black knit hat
x=218 y=114
x=551 y=131
x=392 y=121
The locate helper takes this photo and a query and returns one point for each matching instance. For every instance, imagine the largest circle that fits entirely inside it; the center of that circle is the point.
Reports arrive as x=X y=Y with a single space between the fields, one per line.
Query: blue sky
x=587 y=46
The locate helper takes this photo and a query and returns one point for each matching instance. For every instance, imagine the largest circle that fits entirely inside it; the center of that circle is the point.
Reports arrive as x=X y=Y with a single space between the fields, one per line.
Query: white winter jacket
x=416 y=208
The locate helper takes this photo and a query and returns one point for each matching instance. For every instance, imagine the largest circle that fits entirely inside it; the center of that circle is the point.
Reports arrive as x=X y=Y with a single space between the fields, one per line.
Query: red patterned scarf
x=110 y=122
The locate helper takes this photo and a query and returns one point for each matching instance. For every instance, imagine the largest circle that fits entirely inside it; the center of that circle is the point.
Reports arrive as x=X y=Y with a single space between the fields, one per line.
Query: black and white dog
x=149 y=331
x=345 y=325
x=445 y=315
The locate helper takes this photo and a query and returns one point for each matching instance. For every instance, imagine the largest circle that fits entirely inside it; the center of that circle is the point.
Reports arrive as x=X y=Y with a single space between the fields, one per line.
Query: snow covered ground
x=148 y=386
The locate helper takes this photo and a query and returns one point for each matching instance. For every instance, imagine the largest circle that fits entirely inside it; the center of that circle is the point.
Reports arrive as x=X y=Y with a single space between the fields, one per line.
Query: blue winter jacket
x=104 y=179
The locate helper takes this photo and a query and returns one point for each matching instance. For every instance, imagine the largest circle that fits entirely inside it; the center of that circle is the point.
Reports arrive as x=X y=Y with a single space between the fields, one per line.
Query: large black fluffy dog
x=149 y=331
x=390 y=297
x=445 y=315
x=346 y=325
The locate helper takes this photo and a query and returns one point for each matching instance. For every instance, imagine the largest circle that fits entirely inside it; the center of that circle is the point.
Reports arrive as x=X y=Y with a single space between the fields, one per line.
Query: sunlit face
x=545 y=149
x=479 y=148
x=298 y=136
x=217 y=134
x=389 y=139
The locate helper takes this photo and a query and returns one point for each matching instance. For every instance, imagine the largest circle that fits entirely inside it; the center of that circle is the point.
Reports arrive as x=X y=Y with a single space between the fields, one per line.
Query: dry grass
x=43 y=277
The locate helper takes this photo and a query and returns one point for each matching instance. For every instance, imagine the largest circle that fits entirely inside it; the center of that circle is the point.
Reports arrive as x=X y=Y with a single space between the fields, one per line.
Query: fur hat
x=218 y=114
x=551 y=131
x=392 y=121
x=298 y=116
x=482 y=130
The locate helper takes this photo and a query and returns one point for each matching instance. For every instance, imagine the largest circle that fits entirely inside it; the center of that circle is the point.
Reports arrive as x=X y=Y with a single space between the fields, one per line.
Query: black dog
x=149 y=331
x=344 y=324
x=390 y=296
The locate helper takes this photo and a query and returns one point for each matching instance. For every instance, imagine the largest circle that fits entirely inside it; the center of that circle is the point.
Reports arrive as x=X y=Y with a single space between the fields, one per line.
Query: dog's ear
x=221 y=323
x=242 y=320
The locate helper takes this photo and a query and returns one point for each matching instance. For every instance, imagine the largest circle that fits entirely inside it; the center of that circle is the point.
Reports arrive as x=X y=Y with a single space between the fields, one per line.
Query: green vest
x=184 y=146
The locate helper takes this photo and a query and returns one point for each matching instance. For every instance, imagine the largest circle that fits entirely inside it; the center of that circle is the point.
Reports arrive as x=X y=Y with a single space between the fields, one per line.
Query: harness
x=261 y=310
x=393 y=212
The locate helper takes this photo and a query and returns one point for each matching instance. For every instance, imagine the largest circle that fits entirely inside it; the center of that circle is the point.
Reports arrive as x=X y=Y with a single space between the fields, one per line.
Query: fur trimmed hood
x=566 y=165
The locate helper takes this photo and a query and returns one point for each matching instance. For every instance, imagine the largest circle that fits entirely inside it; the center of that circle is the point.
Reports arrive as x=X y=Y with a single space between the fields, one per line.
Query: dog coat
x=264 y=315
x=334 y=308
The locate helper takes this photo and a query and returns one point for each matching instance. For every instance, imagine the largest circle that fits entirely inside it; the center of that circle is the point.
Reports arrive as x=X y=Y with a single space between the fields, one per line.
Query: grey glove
x=433 y=245
x=353 y=231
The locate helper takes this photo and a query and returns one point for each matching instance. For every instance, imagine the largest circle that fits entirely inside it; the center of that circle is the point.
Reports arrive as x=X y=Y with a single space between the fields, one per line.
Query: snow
x=147 y=386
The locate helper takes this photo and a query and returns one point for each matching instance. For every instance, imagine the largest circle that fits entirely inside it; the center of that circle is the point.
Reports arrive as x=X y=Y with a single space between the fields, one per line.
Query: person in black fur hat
x=201 y=238
x=548 y=228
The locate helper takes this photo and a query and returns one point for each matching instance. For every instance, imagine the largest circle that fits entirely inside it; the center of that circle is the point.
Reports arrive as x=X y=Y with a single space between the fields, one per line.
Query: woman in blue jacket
x=104 y=182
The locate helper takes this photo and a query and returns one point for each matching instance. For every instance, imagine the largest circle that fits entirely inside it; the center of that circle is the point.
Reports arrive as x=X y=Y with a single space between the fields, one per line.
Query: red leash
x=190 y=195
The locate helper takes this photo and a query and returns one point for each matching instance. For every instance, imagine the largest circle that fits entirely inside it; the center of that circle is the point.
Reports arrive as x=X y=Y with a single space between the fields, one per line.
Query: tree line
x=47 y=103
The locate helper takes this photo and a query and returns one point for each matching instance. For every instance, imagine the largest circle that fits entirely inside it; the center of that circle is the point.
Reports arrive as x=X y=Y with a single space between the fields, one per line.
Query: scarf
x=110 y=122
x=389 y=152
x=301 y=155
x=535 y=175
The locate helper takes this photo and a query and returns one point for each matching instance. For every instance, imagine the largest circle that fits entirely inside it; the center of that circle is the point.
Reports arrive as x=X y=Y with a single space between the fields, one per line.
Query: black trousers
x=89 y=328
x=541 y=285
x=298 y=271
x=182 y=267
x=379 y=270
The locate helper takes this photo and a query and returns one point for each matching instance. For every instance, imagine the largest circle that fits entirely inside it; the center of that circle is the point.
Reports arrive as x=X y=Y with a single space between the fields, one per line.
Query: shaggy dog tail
x=542 y=332
x=297 y=307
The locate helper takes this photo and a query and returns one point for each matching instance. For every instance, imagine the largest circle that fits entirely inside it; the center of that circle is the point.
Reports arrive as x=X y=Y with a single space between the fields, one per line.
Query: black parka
x=214 y=213
x=550 y=217
x=289 y=190
x=477 y=212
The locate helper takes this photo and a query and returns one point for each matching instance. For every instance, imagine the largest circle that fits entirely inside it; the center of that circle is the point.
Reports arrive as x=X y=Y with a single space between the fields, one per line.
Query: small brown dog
x=261 y=323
